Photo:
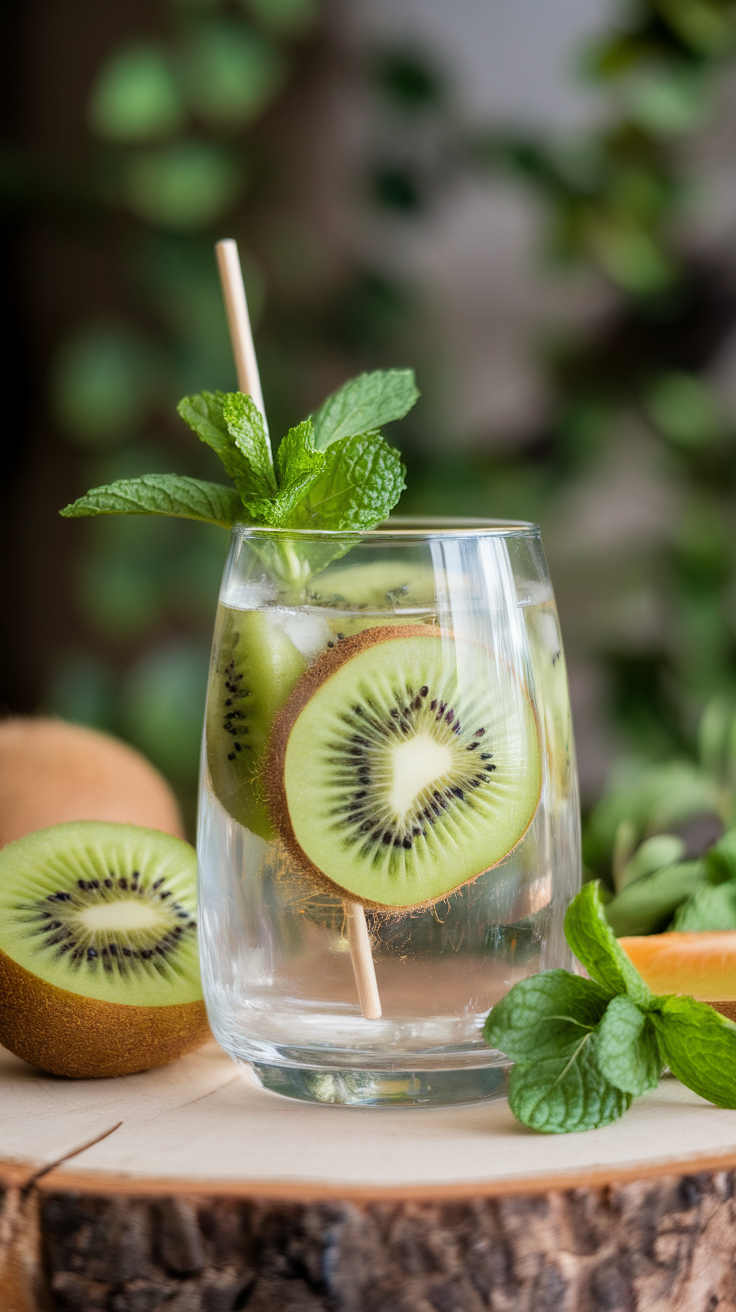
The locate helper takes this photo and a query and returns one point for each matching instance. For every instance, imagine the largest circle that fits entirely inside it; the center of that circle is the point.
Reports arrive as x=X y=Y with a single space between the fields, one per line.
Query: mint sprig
x=583 y=1048
x=332 y=473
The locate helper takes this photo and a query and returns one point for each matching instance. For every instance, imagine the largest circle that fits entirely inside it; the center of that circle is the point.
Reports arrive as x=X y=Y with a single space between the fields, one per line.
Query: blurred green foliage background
x=180 y=122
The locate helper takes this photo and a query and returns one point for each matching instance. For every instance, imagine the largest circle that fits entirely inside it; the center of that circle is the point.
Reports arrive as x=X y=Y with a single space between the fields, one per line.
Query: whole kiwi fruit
x=99 y=969
x=51 y=772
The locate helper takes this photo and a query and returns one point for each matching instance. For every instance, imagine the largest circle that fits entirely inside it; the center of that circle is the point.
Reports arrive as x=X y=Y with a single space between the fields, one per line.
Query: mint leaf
x=540 y=1015
x=626 y=1048
x=549 y=1026
x=591 y=939
x=246 y=428
x=363 y=404
x=361 y=480
x=162 y=494
x=648 y=905
x=699 y=1046
x=565 y=1092
x=708 y=908
x=204 y=414
x=296 y=455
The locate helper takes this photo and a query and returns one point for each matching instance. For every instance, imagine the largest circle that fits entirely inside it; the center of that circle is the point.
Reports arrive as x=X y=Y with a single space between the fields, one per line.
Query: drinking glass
x=388 y=824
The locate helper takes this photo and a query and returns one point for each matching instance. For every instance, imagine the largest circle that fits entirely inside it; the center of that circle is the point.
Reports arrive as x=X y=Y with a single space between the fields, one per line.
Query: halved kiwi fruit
x=99 y=970
x=404 y=764
x=255 y=667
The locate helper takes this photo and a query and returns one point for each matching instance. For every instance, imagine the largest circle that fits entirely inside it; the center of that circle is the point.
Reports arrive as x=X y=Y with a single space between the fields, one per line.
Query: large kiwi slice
x=404 y=764
x=255 y=666
x=99 y=971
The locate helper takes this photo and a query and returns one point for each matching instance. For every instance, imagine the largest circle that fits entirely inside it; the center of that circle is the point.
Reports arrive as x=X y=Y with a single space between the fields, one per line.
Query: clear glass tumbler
x=388 y=828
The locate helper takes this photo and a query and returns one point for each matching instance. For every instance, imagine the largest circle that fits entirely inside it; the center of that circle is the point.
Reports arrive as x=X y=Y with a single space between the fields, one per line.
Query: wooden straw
x=362 y=959
x=236 y=305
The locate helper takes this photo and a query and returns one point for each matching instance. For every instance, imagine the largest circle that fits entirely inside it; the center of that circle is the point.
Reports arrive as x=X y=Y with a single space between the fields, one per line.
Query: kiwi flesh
x=550 y=676
x=405 y=764
x=254 y=668
x=99 y=969
x=380 y=585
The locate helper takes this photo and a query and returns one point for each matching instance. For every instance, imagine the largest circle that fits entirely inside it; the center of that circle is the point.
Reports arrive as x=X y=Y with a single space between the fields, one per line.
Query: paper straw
x=362 y=959
x=236 y=305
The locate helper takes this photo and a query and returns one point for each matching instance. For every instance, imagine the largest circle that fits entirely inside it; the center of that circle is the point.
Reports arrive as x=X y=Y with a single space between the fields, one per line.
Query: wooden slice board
x=191 y=1187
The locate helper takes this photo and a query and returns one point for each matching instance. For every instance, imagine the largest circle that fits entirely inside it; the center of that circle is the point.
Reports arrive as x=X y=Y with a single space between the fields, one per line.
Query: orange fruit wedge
x=700 y=964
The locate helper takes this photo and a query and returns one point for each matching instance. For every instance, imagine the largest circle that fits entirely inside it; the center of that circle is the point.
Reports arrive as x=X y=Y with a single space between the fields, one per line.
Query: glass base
x=377 y=1088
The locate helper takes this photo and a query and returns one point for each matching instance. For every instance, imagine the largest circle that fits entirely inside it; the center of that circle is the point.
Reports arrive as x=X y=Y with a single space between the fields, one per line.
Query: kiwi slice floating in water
x=375 y=586
x=99 y=969
x=254 y=669
x=405 y=764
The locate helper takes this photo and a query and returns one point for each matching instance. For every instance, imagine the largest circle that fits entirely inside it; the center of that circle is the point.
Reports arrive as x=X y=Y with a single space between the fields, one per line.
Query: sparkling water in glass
x=388 y=730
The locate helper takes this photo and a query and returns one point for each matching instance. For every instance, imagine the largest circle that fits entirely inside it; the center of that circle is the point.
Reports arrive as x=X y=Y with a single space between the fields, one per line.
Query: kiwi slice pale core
x=255 y=667
x=405 y=764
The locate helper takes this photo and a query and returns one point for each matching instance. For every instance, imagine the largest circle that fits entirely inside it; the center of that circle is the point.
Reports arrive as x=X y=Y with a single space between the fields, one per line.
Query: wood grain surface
x=191 y=1188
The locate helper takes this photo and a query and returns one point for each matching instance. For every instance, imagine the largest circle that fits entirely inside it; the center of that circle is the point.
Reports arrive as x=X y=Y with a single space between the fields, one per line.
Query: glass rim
x=419 y=527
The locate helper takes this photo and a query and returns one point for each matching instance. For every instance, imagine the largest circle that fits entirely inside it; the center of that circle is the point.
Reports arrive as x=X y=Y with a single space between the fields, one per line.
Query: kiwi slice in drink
x=405 y=763
x=99 y=970
x=388 y=583
x=255 y=666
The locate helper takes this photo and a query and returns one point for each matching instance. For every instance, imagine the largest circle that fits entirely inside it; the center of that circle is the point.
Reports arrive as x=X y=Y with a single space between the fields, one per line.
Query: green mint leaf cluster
x=334 y=472
x=658 y=891
x=647 y=905
x=583 y=1048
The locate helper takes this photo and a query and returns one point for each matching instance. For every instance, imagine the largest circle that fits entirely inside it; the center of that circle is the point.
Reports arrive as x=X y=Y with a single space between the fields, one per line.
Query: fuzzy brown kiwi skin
x=327 y=664
x=64 y=1033
x=52 y=772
